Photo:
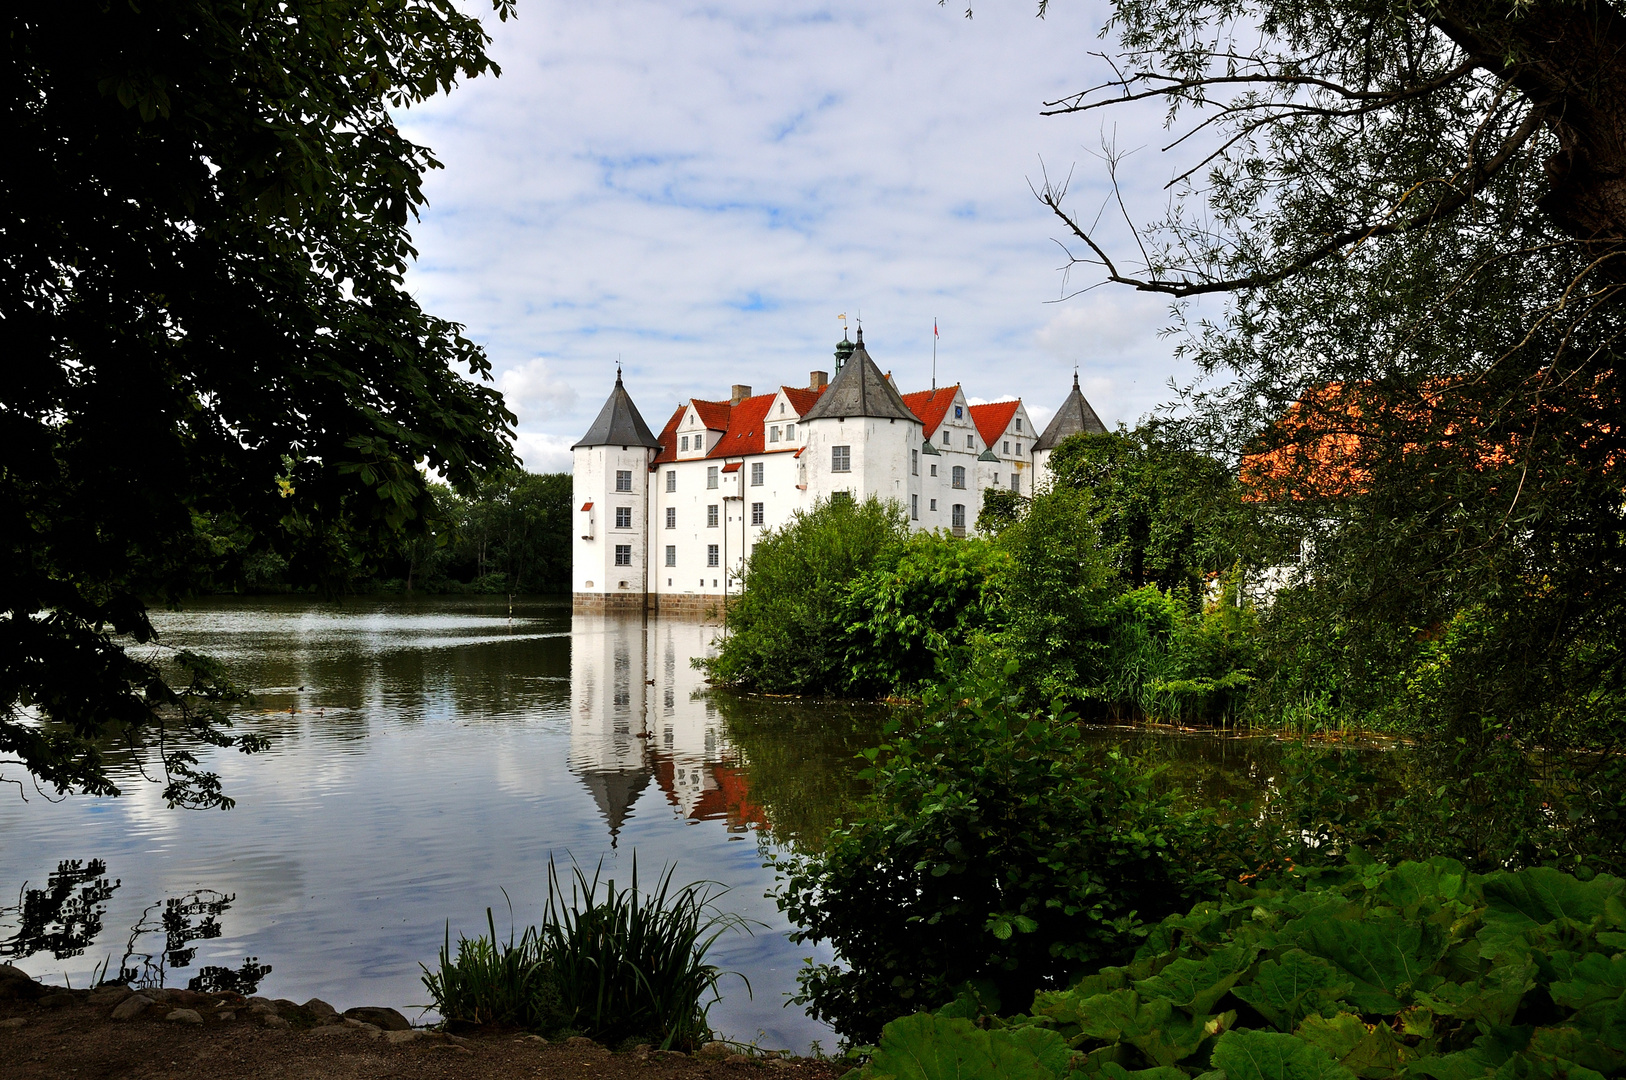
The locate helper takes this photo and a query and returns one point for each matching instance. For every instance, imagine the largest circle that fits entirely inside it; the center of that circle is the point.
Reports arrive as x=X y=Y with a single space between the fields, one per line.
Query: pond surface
x=427 y=759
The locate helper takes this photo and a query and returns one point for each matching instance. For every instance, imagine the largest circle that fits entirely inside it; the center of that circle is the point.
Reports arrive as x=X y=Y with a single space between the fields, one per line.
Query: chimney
x=740 y=394
x=818 y=380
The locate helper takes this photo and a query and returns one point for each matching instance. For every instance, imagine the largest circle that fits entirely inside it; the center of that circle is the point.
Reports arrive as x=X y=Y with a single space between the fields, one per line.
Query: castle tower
x=1075 y=417
x=861 y=437
x=610 y=545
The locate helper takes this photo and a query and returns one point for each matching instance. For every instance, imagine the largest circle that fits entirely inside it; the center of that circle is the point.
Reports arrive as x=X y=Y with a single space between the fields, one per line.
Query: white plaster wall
x=593 y=480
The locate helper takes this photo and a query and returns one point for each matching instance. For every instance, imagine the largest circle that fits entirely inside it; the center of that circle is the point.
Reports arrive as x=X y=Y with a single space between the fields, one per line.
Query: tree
x=211 y=352
x=1417 y=214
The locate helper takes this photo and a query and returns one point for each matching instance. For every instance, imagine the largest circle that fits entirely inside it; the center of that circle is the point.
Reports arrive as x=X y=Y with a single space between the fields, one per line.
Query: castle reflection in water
x=640 y=716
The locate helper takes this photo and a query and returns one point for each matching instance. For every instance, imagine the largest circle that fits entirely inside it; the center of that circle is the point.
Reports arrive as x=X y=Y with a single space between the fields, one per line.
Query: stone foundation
x=701 y=607
x=594 y=603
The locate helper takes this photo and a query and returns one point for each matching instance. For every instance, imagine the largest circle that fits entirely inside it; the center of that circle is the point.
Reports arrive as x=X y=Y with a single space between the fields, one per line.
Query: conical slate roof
x=1074 y=416
x=859 y=389
x=618 y=422
x=615 y=792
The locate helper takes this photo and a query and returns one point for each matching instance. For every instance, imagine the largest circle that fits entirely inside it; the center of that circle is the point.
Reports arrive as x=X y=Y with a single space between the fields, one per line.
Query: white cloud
x=699 y=191
x=534 y=392
x=541 y=452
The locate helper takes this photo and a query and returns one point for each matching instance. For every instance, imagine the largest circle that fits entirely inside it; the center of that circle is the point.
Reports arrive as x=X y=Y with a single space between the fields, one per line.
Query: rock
x=778 y=1063
x=267 y=1002
x=183 y=1016
x=132 y=1007
x=109 y=995
x=386 y=1019
x=262 y=1012
x=17 y=985
x=185 y=999
x=14 y=1022
x=409 y=1035
x=531 y=1039
x=321 y=1010
x=274 y=1022
x=224 y=1016
x=283 y=1004
x=669 y=1055
x=448 y=1047
x=713 y=1049
x=581 y=1041
x=736 y=1059
x=58 y=1000
x=158 y=994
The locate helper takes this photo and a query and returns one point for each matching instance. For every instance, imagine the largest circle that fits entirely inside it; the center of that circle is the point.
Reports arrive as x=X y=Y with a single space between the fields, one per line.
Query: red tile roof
x=732 y=466
x=668 y=438
x=747 y=431
x=992 y=419
x=714 y=414
x=801 y=398
x=587 y=506
x=931 y=406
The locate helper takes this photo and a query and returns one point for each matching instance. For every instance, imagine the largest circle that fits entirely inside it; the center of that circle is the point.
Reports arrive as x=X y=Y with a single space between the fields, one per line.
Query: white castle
x=667 y=523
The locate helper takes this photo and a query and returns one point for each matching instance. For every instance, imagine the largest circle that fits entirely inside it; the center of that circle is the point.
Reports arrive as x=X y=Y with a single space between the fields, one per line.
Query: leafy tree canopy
x=203 y=236
x=1417 y=216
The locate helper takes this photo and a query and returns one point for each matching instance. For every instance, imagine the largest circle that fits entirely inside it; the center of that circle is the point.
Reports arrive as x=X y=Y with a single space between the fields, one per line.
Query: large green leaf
x=1568 y=1046
x=927 y=1047
x=1493 y=1000
x=1593 y=978
x=1542 y=895
x=1383 y=955
x=1197 y=985
x=1271 y=1055
x=1285 y=991
x=1114 y=1071
x=1378 y=1056
x=1155 y=1028
x=1337 y=1035
x=1413 y=883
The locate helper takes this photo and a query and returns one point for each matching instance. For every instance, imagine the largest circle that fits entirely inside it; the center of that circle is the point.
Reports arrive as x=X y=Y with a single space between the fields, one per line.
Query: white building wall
x=597 y=533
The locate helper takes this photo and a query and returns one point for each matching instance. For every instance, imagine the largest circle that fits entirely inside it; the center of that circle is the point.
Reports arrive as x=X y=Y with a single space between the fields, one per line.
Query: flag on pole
x=934 y=328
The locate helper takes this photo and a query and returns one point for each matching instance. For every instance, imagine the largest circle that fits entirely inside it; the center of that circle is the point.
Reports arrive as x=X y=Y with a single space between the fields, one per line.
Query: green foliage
x=1421 y=970
x=613 y=966
x=998 y=848
x=787 y=632
x=211 y=350
x=1000 y=507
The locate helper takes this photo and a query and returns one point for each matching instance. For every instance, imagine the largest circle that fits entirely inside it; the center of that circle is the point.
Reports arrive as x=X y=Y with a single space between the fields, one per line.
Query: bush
x=998 y=847
x=787 y=632
x=627 y=964
x=1423 y=970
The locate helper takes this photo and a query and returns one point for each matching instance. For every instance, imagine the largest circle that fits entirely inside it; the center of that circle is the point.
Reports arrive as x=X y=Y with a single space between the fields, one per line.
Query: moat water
x=427 y=759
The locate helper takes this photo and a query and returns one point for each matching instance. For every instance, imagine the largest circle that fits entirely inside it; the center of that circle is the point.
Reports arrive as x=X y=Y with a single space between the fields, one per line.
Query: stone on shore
x=324 y=1013
x=387 y=1019
x=132 y=1007
x=17 y=985
x=184 y=1016
x=406 y=1036
x=14 y=1022
x=109 y=995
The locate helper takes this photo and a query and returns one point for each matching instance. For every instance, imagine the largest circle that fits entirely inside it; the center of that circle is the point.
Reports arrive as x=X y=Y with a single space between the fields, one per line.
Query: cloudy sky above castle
x=700 y=189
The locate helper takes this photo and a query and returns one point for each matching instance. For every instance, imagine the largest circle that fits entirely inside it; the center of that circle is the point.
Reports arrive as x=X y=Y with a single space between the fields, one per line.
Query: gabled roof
x=669 y=437
x=1074 y=416
x=931 y=406
x=714 y=414
x=993 y=419
x=618 y=423
x=747 y=428
x=801 y=398
x=859 y=389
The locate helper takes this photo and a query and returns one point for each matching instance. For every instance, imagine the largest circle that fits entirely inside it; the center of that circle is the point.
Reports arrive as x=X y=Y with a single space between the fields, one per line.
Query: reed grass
x=607 y=962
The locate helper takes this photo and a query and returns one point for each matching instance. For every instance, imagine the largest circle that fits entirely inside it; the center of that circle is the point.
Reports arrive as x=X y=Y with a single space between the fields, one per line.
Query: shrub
x=998 y=847
x=787 y=632
x=1423 y=970
x=621 y=965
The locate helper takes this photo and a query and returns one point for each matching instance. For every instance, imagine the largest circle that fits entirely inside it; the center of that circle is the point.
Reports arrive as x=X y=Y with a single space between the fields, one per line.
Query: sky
x=698 y=191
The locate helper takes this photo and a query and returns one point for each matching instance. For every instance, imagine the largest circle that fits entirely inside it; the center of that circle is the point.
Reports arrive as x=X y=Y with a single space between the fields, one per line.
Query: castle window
x=756 y=474
x=671 y=557
x=914 y=462
x=684 y=443
x=841 y=497
x=623 y=554
x=970 y=442
x=671 y=479
x=934 y=506
x=958 y=476
x=994 y=482
x=711 y=516
x=914 y=507
x=945 y=438
x=711 y=476
x=1018 y=423
x=623 y=479
x=1016 y=482
x=671 y=517
x=841 y=459
x=957 y=516
x=790 y=431
x=773 y=434
x=757 y=515
x=781 y=408
x=934 y=468
x=1007 y=446
x=1018 y=449
x=623 y=517
x=711 y=554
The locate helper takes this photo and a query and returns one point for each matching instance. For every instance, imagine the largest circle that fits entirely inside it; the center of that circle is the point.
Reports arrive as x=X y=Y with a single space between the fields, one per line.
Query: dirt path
x=49 y=1034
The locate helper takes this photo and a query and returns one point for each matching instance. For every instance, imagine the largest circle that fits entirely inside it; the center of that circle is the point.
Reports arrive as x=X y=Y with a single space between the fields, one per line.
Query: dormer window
x=773 y=434
x=684 y=443
x=790 y=431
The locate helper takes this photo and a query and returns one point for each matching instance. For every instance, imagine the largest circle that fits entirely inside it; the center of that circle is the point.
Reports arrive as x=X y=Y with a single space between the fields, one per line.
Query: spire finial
x=1075 y=376
x=618 y=371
